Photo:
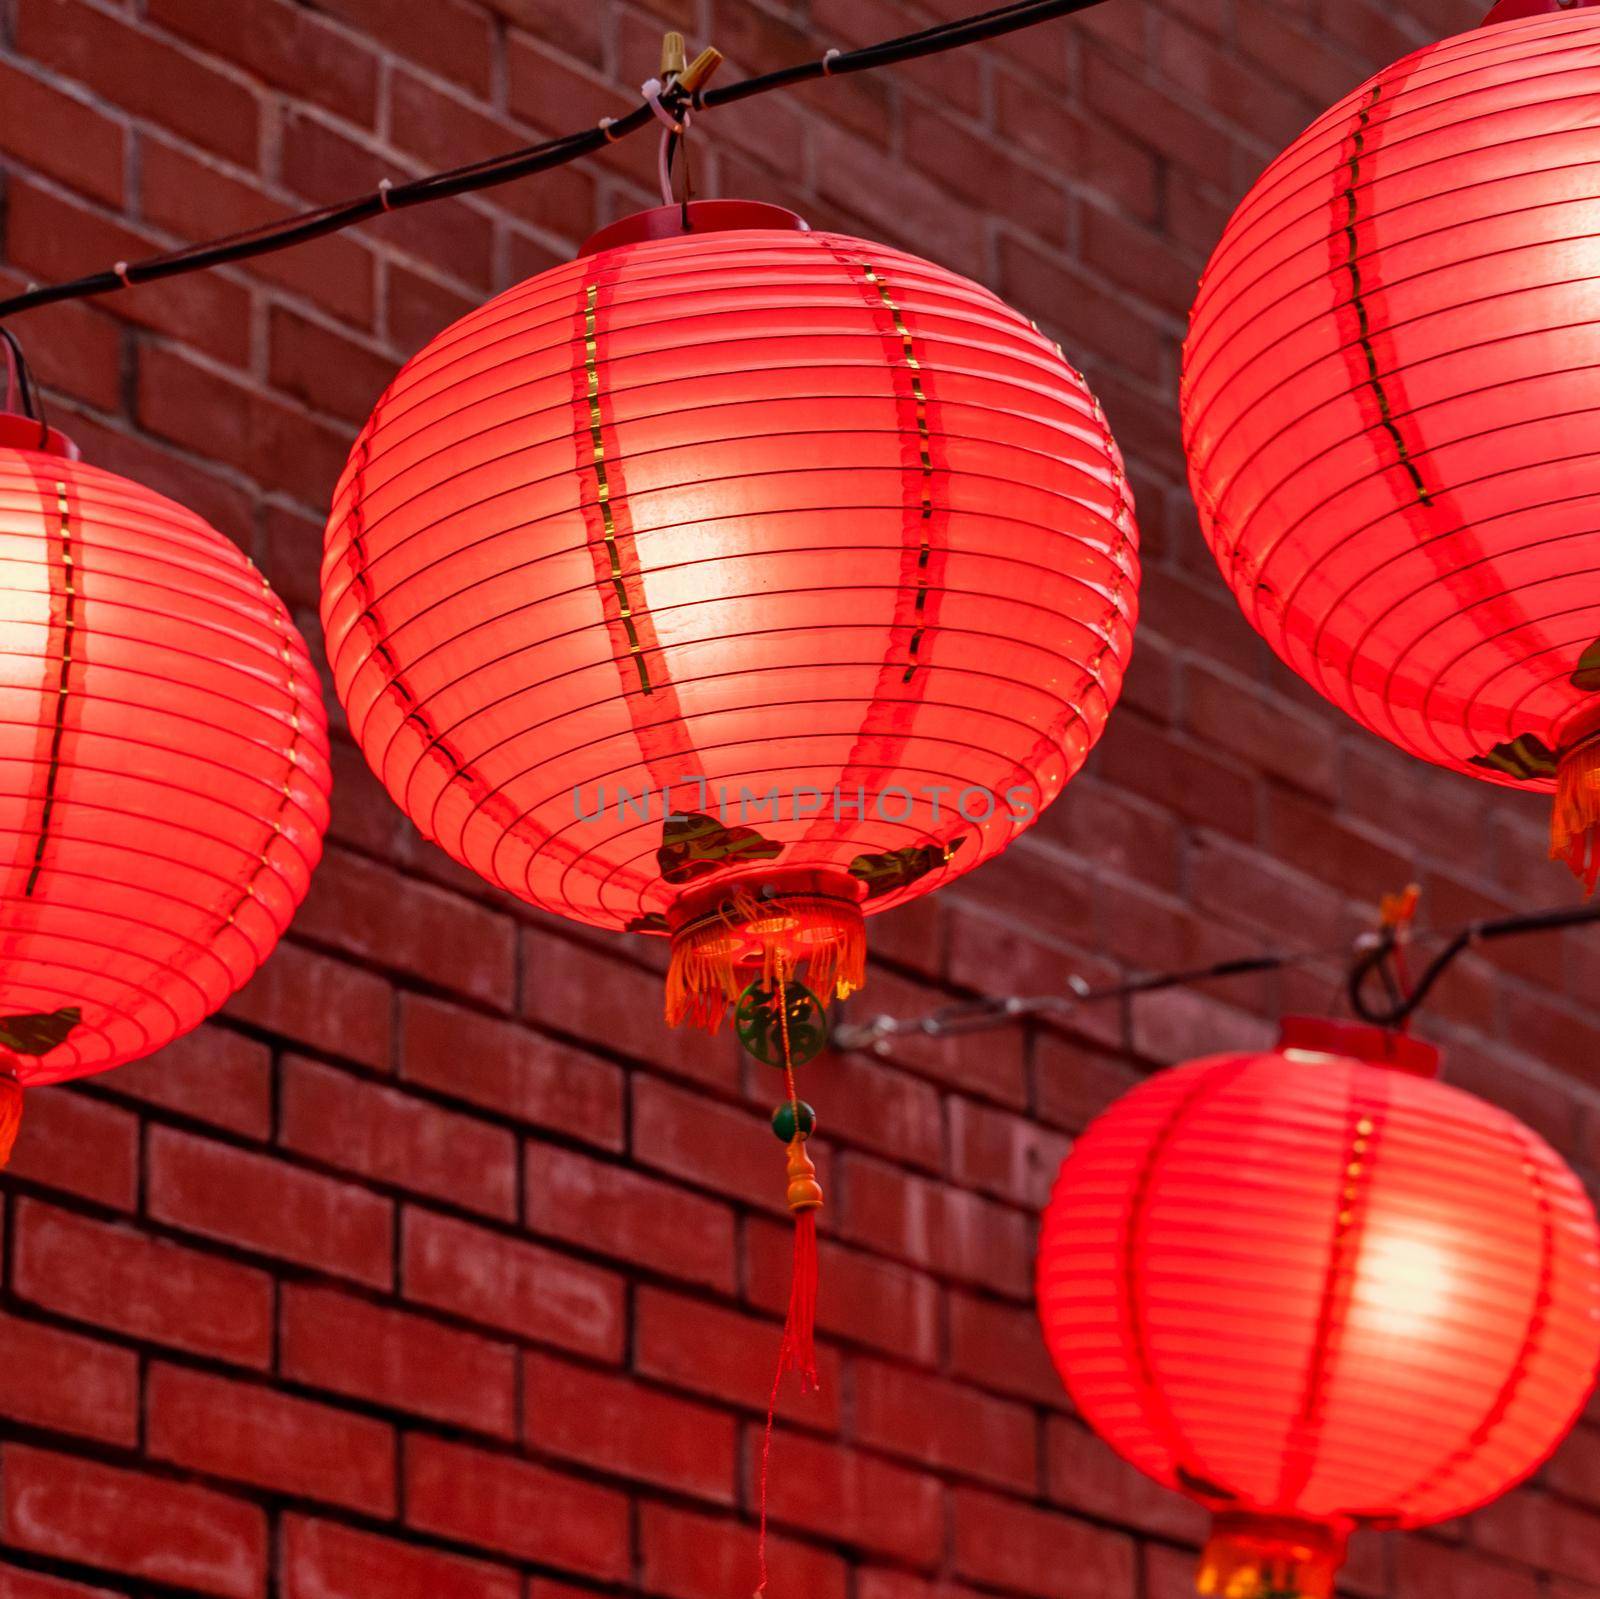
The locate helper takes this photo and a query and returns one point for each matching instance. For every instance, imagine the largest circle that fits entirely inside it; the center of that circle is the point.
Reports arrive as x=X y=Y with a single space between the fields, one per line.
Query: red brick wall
x=436 y=1269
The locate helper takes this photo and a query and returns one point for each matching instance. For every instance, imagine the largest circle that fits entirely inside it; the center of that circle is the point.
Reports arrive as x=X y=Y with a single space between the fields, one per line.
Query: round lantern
x=731 y=582
x=163 y=767
x=1317 y=1290
x=1389 y=407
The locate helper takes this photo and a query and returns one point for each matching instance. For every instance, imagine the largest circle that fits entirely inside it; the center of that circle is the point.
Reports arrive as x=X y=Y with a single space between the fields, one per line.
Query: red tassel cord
x=798 y=1351
x=10 y=1113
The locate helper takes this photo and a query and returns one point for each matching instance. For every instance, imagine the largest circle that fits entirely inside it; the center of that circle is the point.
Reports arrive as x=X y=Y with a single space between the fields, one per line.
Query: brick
x=624 y=1214
x=392 y=1138
x=1074 y=1084
x=514 y=1507
x=132 y=68
x=18 y=1584
x=268 y=441
x=572 y=989
x=78 y=1145
x=145 y=1287
x=691 y=1137
x=726 y=1355
x=322 y=1560
x=1003 y=1544
x=455 y=40
x=1007 y=1156
x=868 y=1104
x=191 y=198
x=319 y=1001
x=1189 y=777
x=503 y=1282
x=933 y=1422
x=862 y=1299
x=684 y=1555
x=283 y=46
x=260 y=1204
x=932 y=1225
x=857 y=1500
x=628 y=1429
x=323 y=164
x=61 y=135
x=1428 y=1570
x=50 y=237
x=400 y=1361
x=1000 y=1346
x=366 y=910
x=419 y=306
x=211 y=1075
x=510 y=1070
x=1088 y=1476
x=997 y=1074
x=56 y=1379
x=442 y=129
x=1265 y=733
x=146 y=1527
x=322 y=368
x=251 y=1434
x=1153 y=119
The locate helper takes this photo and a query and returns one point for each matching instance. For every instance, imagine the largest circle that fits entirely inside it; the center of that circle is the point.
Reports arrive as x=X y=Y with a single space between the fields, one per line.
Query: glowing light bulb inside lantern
x=1403 y=1284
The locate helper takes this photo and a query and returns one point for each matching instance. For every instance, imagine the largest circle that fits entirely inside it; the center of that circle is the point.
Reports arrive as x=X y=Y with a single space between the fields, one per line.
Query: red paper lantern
x=813 y=544
x=163 y=766
x=1316 y=1290
x=1390 y=410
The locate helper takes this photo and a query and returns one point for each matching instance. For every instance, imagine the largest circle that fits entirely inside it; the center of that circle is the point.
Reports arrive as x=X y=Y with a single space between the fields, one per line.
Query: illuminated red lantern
x=163 y=767
x=1390 y=410
x=731 y=583
x=1317 y=1290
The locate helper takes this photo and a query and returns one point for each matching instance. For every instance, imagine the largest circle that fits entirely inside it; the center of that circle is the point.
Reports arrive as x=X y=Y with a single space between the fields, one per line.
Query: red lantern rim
x=1517 y=10
x=703 y=216
x=1373 y=1046
x=18 y=432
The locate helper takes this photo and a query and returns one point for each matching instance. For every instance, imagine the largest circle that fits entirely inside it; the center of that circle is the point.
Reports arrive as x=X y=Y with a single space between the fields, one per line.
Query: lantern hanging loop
x=22 y=394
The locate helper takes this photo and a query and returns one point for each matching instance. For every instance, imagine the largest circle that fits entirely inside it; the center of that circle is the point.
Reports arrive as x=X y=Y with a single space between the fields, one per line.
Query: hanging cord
x=1368 y=958
x=797 y=1352
x=20 y=387
x=536 y=158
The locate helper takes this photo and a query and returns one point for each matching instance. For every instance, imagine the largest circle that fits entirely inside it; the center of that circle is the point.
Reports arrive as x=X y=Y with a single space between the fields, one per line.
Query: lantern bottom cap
x=797 y=924
x=1250 y=1557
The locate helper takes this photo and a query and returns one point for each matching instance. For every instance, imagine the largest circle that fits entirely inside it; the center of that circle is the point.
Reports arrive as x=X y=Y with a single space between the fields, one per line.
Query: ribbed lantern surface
x=163 y=765
x=1390 y=408
x=1314 y=1291
x=819 y=541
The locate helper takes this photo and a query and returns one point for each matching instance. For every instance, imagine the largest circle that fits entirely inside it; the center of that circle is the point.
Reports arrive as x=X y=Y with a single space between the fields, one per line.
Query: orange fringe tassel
x=10 y=1114
x=1575 y=824
x=713 y=960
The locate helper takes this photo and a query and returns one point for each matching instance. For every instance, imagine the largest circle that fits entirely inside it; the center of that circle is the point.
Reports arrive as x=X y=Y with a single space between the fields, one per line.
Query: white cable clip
x=384 y=186
x=606 y=125
x=828 y=59
x=651 y=89
x=121 y=270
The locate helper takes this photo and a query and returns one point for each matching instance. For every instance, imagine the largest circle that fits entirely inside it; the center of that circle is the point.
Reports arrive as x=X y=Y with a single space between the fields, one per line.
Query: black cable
x=1402 y=1006
x=308 y=225
x=1373 y=956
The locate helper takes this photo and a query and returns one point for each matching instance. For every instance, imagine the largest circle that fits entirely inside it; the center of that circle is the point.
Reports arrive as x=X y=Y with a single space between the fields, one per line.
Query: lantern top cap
x=19 y=432
x=1516 y=10
x=1374 y=1046
x=704 y=216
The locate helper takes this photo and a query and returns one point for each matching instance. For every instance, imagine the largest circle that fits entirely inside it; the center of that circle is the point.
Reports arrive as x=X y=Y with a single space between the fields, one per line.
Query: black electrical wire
x=1373 y=956
x=526 y=162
